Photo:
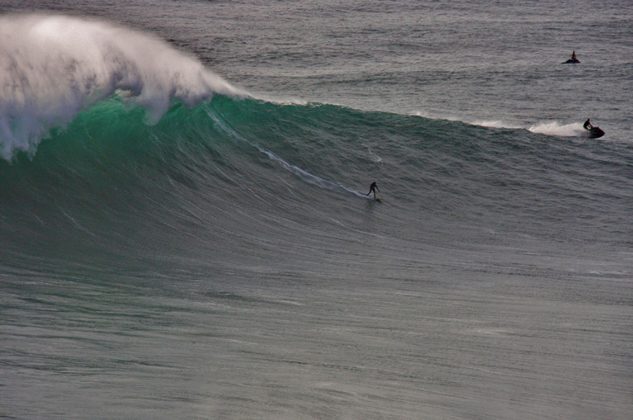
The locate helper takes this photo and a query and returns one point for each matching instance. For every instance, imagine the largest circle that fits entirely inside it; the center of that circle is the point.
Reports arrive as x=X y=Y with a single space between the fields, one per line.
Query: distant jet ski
x=593 y=132
x=573 y=59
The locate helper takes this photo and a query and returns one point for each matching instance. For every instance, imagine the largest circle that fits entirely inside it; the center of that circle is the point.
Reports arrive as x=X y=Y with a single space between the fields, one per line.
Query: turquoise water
x=185 y=231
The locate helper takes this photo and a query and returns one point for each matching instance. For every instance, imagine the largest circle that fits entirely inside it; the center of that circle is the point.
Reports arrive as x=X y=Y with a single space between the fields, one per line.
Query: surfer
x=573 y=58
x=587 y=125
x=373 y=188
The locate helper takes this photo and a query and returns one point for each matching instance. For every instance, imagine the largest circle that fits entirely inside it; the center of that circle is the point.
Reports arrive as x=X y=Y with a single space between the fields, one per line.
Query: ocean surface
x=185 y=230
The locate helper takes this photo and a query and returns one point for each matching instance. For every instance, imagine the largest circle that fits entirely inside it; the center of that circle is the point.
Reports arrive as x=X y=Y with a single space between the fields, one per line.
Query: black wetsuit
x=373 y=188
x=587 y=125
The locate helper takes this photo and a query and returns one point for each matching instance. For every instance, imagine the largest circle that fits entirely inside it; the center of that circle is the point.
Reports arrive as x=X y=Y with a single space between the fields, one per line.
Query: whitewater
x=56 y=66
x=185 y=230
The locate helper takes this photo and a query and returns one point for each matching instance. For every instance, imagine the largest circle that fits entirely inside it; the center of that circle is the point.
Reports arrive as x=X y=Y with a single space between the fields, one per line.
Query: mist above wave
x=53 y=67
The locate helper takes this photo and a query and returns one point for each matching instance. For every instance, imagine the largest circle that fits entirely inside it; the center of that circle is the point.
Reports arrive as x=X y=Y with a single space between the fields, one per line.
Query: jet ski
x=595 y=132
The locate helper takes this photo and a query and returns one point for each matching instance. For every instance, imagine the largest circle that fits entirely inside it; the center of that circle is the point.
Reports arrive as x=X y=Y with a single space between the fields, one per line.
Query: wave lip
x=55 y=66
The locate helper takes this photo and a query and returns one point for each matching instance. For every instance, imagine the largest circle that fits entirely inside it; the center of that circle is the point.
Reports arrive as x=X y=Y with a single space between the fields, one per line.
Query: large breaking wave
x=111 y=138
x=53 y=67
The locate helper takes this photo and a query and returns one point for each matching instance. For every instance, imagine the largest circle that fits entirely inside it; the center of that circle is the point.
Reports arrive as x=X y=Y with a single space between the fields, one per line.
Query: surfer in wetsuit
x=587 y=125
x=373 y=188
x=573 y=58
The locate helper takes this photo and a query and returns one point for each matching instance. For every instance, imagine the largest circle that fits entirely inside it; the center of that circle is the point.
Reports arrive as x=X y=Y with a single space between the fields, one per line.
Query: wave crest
x=55 y=66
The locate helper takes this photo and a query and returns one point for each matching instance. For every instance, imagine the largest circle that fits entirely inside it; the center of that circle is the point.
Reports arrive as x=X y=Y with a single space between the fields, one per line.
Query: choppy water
x=184 y=231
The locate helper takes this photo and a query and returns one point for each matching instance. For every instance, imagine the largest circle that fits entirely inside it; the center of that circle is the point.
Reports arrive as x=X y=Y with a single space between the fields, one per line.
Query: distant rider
x=373 y=188
x=587 y=125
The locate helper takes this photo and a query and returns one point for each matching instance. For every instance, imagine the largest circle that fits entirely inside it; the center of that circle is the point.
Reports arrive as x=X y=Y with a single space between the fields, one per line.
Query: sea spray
x=555 y=128
x=53 y=67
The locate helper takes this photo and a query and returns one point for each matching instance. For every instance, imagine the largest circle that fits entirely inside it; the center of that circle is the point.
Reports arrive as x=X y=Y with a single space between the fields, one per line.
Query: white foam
x=436 y=116
x=53 y=67
x=555 y=128
x=481 y=123
x=495 y=124
x=373 y=156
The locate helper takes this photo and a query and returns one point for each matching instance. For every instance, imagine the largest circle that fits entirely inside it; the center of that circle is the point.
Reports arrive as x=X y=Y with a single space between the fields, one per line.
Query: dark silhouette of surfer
x=573 y=58
x=587 y=125
x=373 y=188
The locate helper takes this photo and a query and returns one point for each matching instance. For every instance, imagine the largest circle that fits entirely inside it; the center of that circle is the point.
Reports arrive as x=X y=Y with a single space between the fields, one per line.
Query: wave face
x=136 y=141
x=231 y=173
x=171 y=247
